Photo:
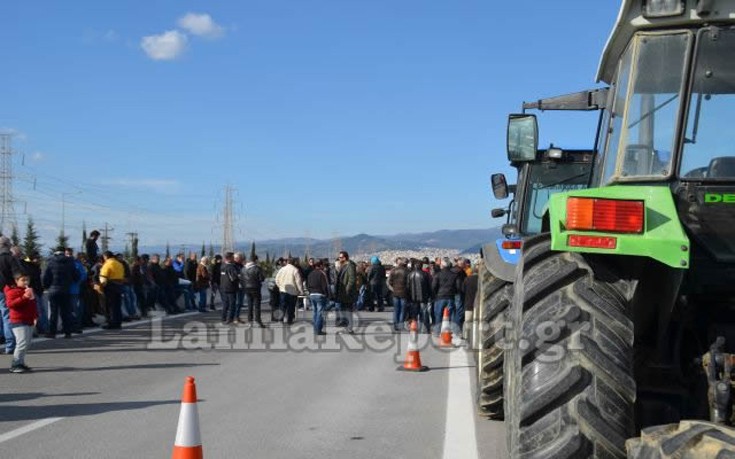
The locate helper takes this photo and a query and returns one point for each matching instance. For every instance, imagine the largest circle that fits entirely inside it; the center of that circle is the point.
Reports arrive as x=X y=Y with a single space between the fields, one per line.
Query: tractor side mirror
x=497 y=213
x=509 y=230
x=500 y=186
x=522 y=140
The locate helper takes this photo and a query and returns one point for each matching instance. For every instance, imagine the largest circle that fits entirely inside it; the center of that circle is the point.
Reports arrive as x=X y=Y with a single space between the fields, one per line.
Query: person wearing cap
x=57 y=279
x=376 y=280
x=252 y=278
x=112 y=276
x=9 y=267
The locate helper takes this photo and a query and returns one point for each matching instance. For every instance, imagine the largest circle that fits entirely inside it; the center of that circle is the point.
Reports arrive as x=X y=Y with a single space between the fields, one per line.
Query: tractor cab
x=549 y=171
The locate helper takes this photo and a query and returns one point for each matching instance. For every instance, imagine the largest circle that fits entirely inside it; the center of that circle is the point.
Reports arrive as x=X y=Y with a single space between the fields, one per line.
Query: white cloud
x=37 y=156
x=164 y=47
x=201 y=24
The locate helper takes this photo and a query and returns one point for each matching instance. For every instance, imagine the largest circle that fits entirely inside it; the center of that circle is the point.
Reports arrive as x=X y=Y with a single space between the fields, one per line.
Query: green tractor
x=622 y=320
x=548 y=172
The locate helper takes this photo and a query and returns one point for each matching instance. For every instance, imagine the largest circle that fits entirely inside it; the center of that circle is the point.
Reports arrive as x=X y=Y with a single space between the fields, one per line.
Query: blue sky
x=329 y=117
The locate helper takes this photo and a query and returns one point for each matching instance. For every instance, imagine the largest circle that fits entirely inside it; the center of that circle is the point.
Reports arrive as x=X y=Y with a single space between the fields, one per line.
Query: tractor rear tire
x=686 y=440
x=495 y=297
x=569 y=364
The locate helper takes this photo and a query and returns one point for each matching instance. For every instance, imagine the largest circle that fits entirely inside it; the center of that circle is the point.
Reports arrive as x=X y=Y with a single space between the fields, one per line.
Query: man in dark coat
x=397 y=285
x=346 y=291
x=418 y=287
x=58 y=277
x=251 y=279
x=91 y=248
x=444 y=286
x=230 y=285
x=376 y=280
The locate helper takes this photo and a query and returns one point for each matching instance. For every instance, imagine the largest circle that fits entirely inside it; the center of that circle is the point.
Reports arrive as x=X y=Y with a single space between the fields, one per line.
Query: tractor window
x=546 y=179
x=617 y=111
x=642 y=142
x=709 y=150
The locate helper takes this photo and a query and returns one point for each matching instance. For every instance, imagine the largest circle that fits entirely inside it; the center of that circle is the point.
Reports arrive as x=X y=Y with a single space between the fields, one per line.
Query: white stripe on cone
x=413 y=342
x=187 y=432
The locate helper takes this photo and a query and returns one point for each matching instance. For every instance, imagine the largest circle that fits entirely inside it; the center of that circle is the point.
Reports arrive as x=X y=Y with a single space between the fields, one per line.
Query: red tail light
x=613 y=215
x=509 y=245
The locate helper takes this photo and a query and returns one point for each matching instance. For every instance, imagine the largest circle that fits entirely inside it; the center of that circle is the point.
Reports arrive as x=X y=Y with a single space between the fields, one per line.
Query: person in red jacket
x=23 y=314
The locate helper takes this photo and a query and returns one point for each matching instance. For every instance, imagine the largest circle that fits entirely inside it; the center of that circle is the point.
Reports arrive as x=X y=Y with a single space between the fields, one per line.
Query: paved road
x=273 y=394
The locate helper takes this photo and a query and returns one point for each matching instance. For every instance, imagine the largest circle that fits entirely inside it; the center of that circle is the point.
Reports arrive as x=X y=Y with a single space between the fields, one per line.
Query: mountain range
x=461 y=240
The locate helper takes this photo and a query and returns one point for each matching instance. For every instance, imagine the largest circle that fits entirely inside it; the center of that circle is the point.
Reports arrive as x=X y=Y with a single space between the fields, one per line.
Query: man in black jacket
x=444 y=287
x=251 y=278
x=91 y=248
x=60 y=273
x=229 y=285
x=376 y=279
x=419 y=295
x=318 y=286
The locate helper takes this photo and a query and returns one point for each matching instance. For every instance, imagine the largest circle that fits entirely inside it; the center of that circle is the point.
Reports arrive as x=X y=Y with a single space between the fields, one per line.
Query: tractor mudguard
x=663 y=237
x=498 y=265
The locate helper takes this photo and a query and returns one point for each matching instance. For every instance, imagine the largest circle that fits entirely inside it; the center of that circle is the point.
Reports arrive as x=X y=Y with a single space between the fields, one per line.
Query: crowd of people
x=90 y=288
x=417 y=289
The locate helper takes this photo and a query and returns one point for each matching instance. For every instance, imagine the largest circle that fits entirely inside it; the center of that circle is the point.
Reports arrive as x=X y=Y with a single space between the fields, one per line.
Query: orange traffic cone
x=188 y=444
x=413 y=359
x=446 y=331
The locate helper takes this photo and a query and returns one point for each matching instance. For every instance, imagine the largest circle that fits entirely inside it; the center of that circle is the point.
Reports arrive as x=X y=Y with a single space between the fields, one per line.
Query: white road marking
x=29 y=428
x=459 y=433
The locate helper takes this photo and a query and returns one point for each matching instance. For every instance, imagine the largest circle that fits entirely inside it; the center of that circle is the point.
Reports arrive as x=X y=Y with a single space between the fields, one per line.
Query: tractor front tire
x=569 y=365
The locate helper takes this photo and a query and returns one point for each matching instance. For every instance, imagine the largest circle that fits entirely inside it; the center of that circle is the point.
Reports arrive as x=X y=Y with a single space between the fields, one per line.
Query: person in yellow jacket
x=112 y=275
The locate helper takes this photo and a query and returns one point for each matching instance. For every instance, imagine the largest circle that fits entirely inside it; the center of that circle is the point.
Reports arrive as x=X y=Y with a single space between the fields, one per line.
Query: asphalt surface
x=277 y=393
